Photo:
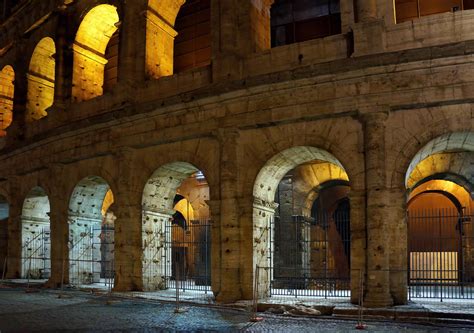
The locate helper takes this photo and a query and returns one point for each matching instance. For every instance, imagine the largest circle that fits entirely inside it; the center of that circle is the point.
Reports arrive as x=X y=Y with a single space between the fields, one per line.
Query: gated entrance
x=92 y=256
x=188 y=256
x=311 y=256
x=441 y=253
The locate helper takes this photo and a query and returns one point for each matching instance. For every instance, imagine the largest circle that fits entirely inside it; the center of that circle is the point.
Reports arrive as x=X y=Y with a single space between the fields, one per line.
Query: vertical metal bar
x=440 y=253
x=326 y=257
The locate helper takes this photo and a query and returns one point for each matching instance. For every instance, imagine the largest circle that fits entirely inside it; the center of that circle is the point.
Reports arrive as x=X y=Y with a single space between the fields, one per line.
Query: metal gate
x=311 y=256
x=91 y=256
x=36 y=263
x=189 y=261
x=441 y=253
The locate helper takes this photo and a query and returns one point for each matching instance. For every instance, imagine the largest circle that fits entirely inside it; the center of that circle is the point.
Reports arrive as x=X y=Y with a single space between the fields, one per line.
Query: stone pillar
x=59 y=240
x=88 y=74
x=229 y=228
x=64 y=63
x=378 y=247
x=366 y=10
x=132 y=49
x=16 y=132
x=358 y=241
x=397 y=223
x=160 y=36
x=156 y=240
x=239 y=28
x=263 y=242
x=14 y=231
x=128 y=225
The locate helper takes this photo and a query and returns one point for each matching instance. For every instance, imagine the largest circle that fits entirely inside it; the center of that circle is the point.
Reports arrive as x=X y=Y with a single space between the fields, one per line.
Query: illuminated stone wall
x=7 y=87
x=367 y=100
x=41 y=76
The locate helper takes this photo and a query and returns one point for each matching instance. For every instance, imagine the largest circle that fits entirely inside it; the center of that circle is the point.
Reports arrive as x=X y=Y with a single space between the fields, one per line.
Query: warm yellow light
x=161 y=16
x=7 y=76
x=184 y=207
x=447 y=186
x=108 y=201
x=41 y=75
x=91 y=41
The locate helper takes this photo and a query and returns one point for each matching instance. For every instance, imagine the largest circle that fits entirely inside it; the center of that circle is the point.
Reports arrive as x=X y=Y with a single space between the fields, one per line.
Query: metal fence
x=189 y=261
x=91 y=256
x=441 y=253
x=310 y=256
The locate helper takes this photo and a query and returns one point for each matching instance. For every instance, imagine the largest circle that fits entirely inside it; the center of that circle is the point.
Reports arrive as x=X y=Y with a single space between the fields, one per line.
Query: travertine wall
x=371 y=110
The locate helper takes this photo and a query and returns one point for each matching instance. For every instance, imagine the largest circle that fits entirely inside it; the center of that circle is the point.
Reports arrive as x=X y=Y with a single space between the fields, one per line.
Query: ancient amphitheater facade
x=221 y=144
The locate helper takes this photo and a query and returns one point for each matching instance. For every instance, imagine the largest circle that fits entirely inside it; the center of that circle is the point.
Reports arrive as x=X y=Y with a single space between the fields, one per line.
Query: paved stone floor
x=80 y=311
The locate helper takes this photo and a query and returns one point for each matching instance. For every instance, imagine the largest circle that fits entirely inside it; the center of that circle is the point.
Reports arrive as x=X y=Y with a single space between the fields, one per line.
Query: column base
x=228 y=296
x=378 y=300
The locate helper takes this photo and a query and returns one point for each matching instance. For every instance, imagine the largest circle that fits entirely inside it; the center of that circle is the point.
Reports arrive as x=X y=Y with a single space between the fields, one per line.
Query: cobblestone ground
x=44 y=311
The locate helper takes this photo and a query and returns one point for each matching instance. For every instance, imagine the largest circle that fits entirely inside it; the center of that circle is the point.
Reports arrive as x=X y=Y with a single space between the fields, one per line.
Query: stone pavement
x=81 y=311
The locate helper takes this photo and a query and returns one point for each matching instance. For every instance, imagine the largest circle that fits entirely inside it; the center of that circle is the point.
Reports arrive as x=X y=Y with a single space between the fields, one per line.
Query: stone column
x=64 y=63
x=366 y=10
x=133 y=37
x=14 y=231
x=229 y=228
x=16 y=131
x=156 y=241
x=397 y=223
x=358 y=241
x=378 y=247
x=239 y=28
x=160 y=36
x=128 y=226
x=59 y=241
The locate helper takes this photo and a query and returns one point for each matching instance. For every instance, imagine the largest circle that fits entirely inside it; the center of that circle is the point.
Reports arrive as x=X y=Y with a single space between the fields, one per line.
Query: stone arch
x=35 y=233
x=274 y=170
x=417 y=136
x=192 y=45
x=439 y=197
x=456 y=142
x=159 y=208
x=7 y=87
x=453 y=177
x=88 y=205
x=92 y=38
x=41 y=77
x=264 y=190
x=160 y=35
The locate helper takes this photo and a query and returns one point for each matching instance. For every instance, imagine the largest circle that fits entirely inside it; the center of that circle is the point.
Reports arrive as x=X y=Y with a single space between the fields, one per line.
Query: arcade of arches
x=240 y=151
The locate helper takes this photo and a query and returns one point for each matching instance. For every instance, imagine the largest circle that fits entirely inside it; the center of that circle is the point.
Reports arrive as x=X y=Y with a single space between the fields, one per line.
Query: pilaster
x=128 y=227
x=378 y=247
x=229 y=227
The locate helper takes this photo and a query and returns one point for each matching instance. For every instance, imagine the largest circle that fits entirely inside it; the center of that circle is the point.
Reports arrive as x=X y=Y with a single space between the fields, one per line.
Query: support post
x=378 y=248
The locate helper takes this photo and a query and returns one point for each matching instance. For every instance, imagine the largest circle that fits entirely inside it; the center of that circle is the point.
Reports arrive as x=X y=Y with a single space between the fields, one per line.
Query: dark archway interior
x=294 y=21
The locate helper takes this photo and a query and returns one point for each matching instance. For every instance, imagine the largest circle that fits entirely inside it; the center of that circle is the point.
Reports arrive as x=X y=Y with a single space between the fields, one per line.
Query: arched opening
x=177 y=36
x=176 y=229
x=4 y=214
x=294 y=21
x=192 y=46
x=7 y=78
x=35 y=234
x=302 y=225
x=440 y=218
x=407 y=10
x=40 y=95
x=91 y=233
x=95 y=65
